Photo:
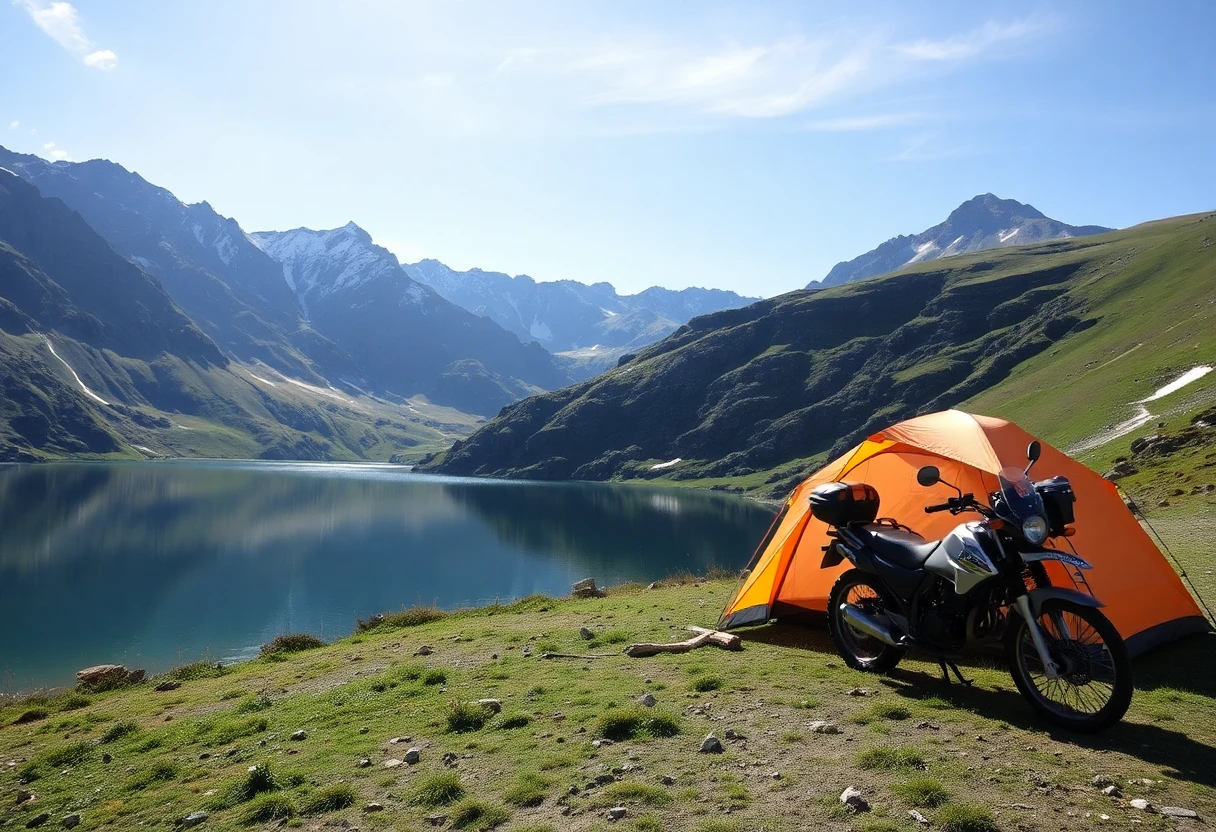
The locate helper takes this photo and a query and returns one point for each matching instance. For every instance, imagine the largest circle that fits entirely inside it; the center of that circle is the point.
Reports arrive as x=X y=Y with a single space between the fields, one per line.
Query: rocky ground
x=461 y=722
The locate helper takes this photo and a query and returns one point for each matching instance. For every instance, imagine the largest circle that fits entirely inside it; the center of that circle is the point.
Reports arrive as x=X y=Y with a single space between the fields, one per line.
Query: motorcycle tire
x=1095 y=688
x=860 y=651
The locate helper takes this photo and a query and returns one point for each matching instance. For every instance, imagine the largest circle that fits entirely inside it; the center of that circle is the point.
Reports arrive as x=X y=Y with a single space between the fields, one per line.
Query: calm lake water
x=158 y=564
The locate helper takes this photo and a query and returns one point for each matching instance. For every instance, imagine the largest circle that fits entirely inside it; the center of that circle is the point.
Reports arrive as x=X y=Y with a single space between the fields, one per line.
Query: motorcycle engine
x=943 y=620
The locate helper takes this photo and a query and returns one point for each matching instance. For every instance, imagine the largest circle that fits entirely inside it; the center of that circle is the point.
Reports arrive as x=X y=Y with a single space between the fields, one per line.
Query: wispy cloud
x=861 y=123
x=971 y=44
x=931 y=147
x=61 y=21
x=55 y=153
x=13 y=125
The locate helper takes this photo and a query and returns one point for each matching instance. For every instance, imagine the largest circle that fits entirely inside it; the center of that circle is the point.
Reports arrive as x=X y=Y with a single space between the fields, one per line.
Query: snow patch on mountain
x=540 y=331
x=923 y=251
x=1006 y=236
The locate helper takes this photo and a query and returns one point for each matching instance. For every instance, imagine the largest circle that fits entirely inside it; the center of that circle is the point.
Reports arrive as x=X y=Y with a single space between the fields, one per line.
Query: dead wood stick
x=727 y=641
x=576 y=655
x=639 y=650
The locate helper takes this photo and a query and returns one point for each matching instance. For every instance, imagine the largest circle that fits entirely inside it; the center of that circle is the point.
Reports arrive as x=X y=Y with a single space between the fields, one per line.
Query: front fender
x=1052 y=593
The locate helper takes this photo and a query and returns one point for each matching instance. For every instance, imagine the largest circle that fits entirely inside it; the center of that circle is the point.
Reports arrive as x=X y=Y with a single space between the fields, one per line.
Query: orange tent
x=1144 y=598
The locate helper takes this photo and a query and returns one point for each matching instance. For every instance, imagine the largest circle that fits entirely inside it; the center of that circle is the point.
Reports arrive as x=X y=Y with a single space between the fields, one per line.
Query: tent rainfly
x=1143 y=596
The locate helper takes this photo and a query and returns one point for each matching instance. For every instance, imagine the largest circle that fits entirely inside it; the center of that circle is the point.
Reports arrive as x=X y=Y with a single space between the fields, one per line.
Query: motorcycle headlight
x=1035 y=529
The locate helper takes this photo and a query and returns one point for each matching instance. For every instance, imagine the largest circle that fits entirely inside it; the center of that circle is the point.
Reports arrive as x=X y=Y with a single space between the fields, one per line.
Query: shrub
x=889 y=758
x=473 y=814
x=32 y=715
x=956 y=818
x=514 y=721
x=119 y=730
x=73 y=702
x=411 y=617
x=434 y=790
x=463 y=717
x=259 y=780
x=291 y=643
x=648 y=823
x=252 y=704
x=621 y=724
x=267 y=808
x=196 y=670
x=330 y=799
x=705 y=684
x=48 y=762
x=922 y=792
x=434 y=676
x=529 y=790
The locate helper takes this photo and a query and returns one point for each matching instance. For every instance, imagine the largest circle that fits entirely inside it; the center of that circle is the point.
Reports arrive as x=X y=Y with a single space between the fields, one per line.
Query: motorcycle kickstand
x=957 y=672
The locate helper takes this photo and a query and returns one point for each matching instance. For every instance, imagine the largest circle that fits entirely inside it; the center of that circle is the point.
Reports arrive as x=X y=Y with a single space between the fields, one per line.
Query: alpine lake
x=157 y=564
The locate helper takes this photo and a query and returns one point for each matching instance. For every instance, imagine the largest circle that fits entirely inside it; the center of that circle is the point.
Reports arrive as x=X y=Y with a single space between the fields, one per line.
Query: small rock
x=648 y=700
x=494 y=705
x=1178 y=812
x=821 y=727
x=927 y=725
x=374 y=807
x=424 y=650
x=1143 y=805
x=437 y=820
x=1101 y=781
x=70 y=821
x=776 y=775
x=299 y=735
x=107 y=757
x=617 y=812
x=711 y=745
x=731 y=734
x=231 y=752
x=1113 y=791
x=365 y=763
x=392 y=763
x=412 y=756
x=668 y=780
x=1024 y=806
x=24 y=795
x=601 y=743
x=858 y=692
x=573 y=790
x=194 y=819
x=168 y=684
x=918 y=817
x=652 y=585
x=38 y=820
x=851 y=797
x=585 y=633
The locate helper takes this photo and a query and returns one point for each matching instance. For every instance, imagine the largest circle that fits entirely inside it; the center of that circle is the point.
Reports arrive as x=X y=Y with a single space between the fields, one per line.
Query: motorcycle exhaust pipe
x=868 y=624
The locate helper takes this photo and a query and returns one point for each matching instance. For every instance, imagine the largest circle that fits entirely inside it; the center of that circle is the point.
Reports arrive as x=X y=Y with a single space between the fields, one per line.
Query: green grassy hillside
x=572 y=742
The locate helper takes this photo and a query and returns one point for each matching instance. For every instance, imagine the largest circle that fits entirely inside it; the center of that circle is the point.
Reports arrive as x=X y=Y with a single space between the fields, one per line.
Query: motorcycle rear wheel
x=859 y=650
x=1094 y=688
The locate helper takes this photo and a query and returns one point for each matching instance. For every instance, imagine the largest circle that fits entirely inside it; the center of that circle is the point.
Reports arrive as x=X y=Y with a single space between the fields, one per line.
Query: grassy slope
x=186 y=748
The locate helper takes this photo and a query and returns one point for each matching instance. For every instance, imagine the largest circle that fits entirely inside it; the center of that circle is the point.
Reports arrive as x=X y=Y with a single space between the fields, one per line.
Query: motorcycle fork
x=1022 y=602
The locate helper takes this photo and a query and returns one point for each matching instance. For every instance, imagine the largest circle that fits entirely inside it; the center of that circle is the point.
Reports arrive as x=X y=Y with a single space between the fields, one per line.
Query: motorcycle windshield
x=1018 y=497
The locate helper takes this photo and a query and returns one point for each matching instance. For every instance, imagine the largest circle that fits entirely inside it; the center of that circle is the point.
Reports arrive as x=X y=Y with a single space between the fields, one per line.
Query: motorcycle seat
x=903 y=548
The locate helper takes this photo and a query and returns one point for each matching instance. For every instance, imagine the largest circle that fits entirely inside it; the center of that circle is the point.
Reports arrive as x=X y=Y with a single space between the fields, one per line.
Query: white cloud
x=13 y=125
x=961 y=47
x=61 y=21
x=56 y=154
x=931 y=148
x=860 y=123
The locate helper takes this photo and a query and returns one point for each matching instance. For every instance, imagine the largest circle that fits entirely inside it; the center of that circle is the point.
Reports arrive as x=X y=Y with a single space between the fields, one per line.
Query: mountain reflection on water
x=157 y=564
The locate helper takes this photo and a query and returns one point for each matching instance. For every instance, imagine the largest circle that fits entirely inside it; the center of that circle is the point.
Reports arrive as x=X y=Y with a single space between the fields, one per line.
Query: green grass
x=291 y=643
x=330 y=799
x=117 y=731
x=529 y=789
x=921 y=792
x=705 y=684
x=410 y=617
x=434 y=790
x=957 y=818
x=267 y=808
x=621 y=724
x=890 y=758
x=633 y=792
x=476 y=815
x=463 y=717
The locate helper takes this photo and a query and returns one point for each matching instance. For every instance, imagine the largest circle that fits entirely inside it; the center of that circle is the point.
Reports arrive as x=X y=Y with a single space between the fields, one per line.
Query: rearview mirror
x=1034 y=451
x=929 y=475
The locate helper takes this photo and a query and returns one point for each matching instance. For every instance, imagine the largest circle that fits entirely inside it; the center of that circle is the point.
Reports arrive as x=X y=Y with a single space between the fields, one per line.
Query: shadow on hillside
x=1186 y=666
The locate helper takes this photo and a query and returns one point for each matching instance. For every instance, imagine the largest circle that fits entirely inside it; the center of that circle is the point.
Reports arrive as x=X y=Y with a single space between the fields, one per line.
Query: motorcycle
x=984 y=585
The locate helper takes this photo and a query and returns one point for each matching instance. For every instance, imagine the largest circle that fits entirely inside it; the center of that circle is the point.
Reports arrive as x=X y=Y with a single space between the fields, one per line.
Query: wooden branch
x=727 y=641
x=639 y=650
x=576 y=655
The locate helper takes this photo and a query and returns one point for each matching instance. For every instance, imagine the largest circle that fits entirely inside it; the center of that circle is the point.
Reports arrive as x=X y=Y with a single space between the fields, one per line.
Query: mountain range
x=979 y=224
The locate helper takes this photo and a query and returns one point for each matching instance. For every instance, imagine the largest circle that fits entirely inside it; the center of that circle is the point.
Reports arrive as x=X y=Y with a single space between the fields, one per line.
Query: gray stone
x=392 y=763
x=711 y=745
x=107 y=757
x=648 y=700
x=413 y=755
x=918 y=817
x=1143 y=805
x=365 y=763
x=168 y=684
x=617 y=812
x=821 y=727
x=299 y=735
x=776 y=775
x=858 y=692
x=70 y=821
x=668 y=780
x=851 y=798
x=424 y=650
x=1101 y=781
x=586 y=588
x=374 y=807
x=194 y=819
x=38 y=820
x=494 y=705
x=585 y=633
x=1178 y=812
x=1113 y=791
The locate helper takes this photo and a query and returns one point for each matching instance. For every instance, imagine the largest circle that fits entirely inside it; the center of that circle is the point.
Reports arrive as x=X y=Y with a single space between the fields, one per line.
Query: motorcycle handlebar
x=942 y=507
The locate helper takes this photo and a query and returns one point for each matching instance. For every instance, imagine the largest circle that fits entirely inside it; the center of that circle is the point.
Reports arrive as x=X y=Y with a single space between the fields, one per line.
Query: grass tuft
x=475 y=815
x=196 y=670
x=32 y=715
x=529 y=790
x=434 y=790
x=117 y=731
x=267 y=808
x=434 y=676
x=704 y=684
x=411 y=617
x=161 y=772
x=890 y=758
x=922 y=792
x=330 y=799
x=514 y=721
x=463 y=717
x=958 y=818
x=291 y=643
x=630 y=791
x=252 y=704
x=621 y=724
x=50 y=761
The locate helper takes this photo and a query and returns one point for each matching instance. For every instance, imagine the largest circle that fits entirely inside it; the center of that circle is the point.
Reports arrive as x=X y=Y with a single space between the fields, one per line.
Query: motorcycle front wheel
x=859 y=650
x=1094 y=686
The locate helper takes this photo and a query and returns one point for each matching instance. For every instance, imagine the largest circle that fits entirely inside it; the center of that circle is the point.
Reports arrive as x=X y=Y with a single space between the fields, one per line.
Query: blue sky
x=747 y=146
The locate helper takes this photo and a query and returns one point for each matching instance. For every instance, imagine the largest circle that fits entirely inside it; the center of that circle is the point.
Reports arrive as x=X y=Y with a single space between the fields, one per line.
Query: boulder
x=168 y=684
x=648 y=700
x=617 y=812
x=711 y=745
x=586 y=588
x=37 y=820
x=70 y=821
x=585 y=634
x=1143 y=805
x=413 y=755
x=852 y=799
x=492 y=705
x=821 y=727
x=374 y=807
x=1178 y=812
x=108 y=676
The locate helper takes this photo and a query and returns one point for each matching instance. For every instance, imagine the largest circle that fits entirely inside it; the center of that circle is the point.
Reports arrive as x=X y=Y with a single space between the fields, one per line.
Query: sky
x=737 y=145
